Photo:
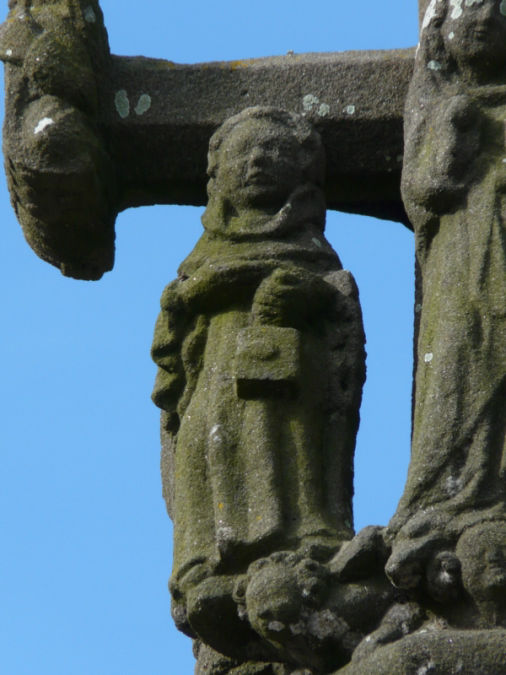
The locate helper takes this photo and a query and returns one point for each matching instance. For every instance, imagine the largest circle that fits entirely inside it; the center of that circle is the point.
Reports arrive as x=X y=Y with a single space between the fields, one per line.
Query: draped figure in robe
x=454 y=189
x=261 y=362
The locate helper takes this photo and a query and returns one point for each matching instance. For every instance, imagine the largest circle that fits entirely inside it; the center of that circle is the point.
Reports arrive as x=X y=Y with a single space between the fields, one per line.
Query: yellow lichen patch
x=234 y=65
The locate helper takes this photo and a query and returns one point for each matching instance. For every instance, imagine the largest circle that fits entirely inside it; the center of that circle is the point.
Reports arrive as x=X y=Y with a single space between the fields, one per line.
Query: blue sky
x=86 y=542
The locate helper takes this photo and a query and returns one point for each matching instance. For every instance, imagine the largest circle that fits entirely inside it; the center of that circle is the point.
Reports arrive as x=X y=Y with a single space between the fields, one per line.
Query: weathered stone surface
x=260 y=342
x=130 y=131
x=448 y=535
x=355 y=100
x=454 y=185
x=60 y=173
x=364 y=552
x=444 y=652
x=261 y=363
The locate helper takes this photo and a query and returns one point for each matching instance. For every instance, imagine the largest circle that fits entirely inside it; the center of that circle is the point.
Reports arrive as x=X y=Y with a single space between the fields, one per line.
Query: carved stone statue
x=260 y=345
x=454 y=188
x=260 y=349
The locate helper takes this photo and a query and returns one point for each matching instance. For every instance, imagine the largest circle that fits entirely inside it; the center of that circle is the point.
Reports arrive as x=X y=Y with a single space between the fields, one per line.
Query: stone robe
x=261 y=364
x=458 y=463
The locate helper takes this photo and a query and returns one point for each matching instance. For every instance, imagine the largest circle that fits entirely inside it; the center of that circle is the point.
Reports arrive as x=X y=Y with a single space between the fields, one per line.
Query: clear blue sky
x=86 y=542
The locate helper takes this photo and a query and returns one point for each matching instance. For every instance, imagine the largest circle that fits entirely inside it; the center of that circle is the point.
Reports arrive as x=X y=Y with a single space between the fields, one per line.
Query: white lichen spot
x=504 y=160
x=430 y=13
x=297 y=628
x=309 y=102
x=43 y=124
x=224 y=534
x=317 y=242
x=350 y=110
x=447 y=578
x=470 y=3
x=429 y=667
x=275 y=626
x=428 y=357
x=324 y=109
x=502 y=7
x=89 y=14
x=456 y=9
x=214 y=434
x=8 y=52
x=453 y=485
x=434 y=65
x=143 y=104
x=122 y=103
x=418 y=308
x=451 y=35
x=324 y=624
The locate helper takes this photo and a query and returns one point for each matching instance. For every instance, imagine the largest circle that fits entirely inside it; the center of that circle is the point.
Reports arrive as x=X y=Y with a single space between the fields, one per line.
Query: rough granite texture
x=261 y=363
x=259 y=343
x=454 y=185
x=95 y=133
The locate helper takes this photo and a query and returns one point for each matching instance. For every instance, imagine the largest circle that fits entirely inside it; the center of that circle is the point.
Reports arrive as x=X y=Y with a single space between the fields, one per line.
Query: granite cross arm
x=160 y=115
x=139 y=127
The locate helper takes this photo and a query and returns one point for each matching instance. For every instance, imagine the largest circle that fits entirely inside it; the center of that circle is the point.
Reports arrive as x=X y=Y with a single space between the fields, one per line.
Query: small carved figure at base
x=482 y=552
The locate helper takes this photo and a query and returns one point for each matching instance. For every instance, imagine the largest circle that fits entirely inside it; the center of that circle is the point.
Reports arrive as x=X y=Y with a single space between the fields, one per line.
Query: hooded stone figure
x=260 y=349
x=454 y=190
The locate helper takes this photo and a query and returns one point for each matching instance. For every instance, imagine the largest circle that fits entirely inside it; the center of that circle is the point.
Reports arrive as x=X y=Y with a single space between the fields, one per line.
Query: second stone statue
x=261 y=362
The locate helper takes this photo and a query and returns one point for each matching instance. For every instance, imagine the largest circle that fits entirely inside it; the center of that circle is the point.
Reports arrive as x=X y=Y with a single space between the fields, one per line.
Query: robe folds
x=260 y=349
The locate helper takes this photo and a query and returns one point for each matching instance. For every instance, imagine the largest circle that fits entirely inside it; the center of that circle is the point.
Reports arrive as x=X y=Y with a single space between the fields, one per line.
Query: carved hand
x=442 y=160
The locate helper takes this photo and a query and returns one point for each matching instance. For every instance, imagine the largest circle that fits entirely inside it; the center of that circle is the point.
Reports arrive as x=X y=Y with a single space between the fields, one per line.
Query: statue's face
x=273 y=601
x=474 y=33
x=484 y=562
x=259 y=164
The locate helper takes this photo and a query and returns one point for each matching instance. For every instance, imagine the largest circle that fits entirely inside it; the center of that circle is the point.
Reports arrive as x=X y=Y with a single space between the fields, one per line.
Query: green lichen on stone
x=60 y=175
x=453 y=188
x=260 y=352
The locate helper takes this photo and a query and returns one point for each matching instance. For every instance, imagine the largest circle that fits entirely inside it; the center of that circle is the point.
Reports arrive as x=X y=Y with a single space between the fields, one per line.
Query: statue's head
x=260 y=156
x=481 y=550
x=467 y=37
x=279 y=591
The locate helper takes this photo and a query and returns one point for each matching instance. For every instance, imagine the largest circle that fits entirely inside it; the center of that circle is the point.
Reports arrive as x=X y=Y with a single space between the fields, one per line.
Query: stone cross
x=153 y=111
x=266 y=578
